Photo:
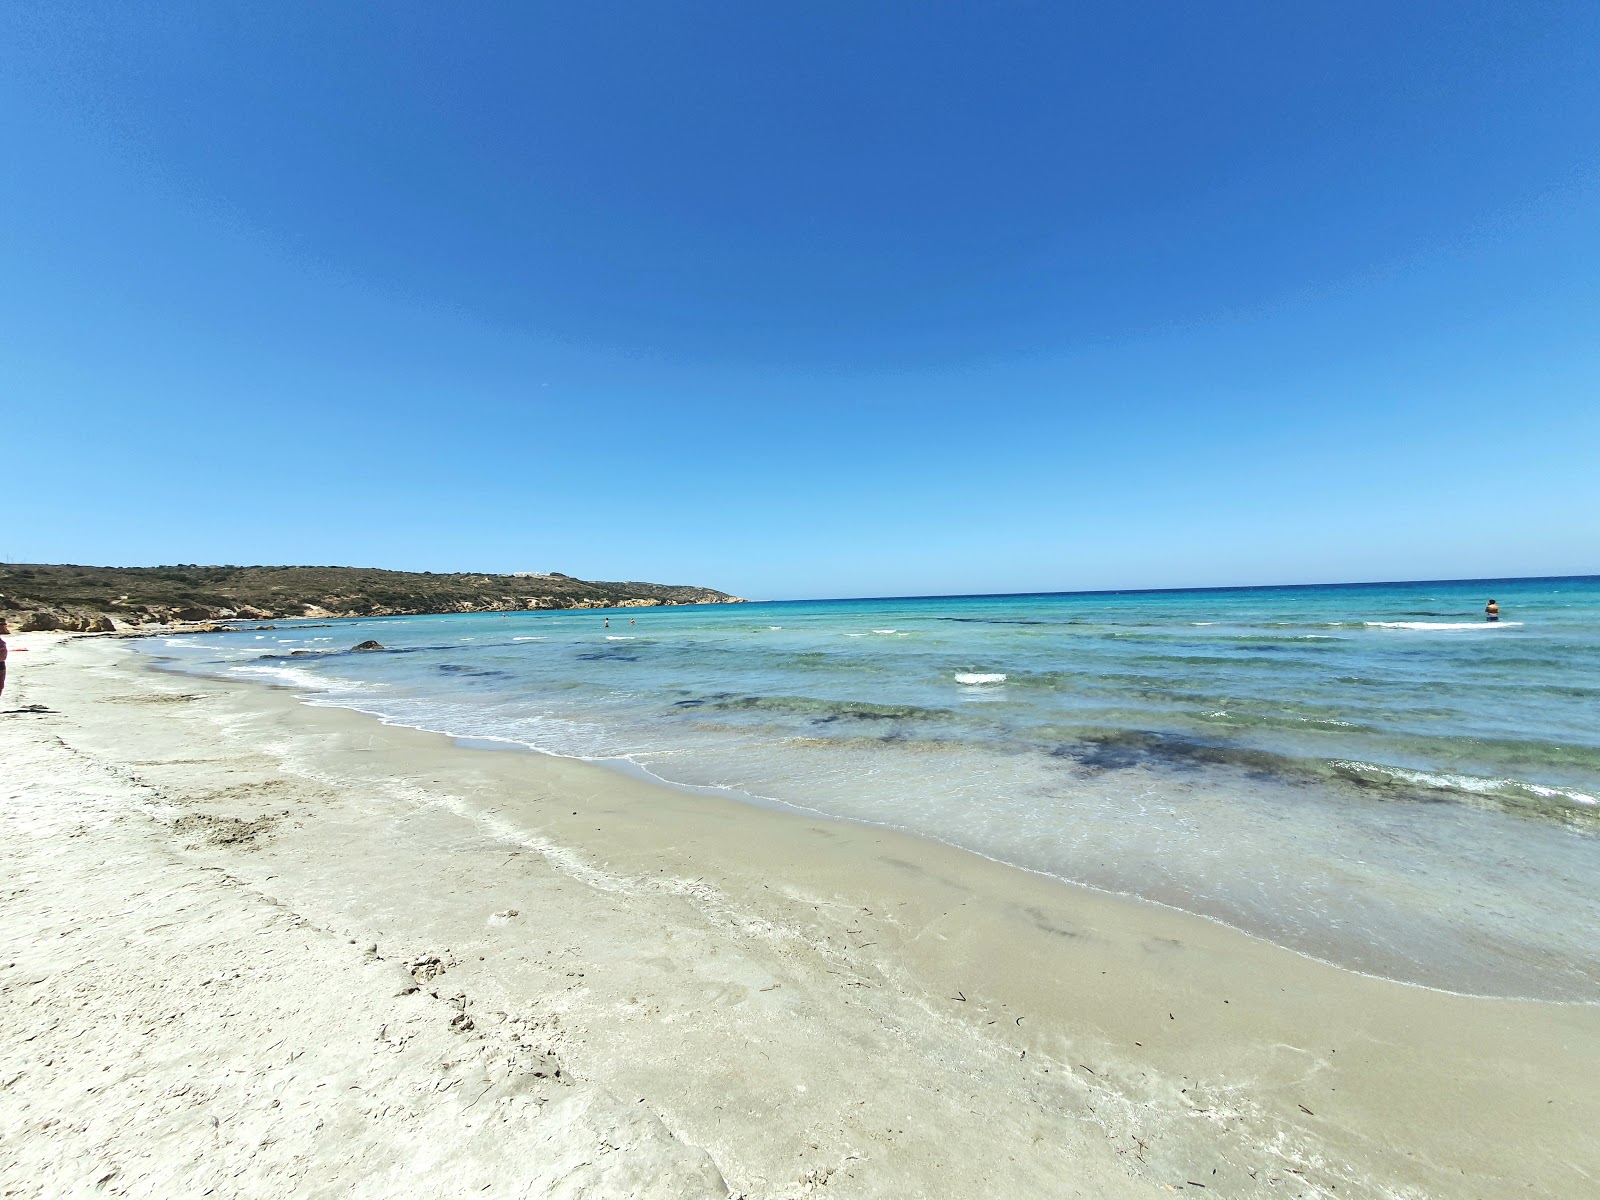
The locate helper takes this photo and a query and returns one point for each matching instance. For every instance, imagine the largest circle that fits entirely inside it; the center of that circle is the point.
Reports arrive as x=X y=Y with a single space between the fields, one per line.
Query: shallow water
x=1371 y=774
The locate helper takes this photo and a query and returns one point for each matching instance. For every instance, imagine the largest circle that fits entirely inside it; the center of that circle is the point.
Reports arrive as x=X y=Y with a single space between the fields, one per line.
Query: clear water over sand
x=1371 y=774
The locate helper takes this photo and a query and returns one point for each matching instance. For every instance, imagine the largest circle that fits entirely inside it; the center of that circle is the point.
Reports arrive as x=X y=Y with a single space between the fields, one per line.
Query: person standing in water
x=1491 y=610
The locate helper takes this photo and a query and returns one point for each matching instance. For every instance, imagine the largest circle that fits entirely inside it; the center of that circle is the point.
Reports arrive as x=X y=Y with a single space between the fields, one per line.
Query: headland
x=40 y=597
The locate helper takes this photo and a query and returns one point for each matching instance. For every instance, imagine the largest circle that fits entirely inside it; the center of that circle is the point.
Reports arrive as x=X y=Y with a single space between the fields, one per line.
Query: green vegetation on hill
x=34 y=595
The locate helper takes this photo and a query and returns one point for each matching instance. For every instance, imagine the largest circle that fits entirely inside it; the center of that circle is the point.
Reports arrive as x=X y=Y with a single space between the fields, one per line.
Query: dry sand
x=254 y=948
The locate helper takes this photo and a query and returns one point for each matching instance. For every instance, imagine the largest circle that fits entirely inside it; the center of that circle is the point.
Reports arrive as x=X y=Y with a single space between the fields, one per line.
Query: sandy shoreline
x=739 y=1001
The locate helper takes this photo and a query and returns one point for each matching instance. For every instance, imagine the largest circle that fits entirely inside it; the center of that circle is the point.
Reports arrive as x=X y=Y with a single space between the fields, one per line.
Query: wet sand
x=272 y=949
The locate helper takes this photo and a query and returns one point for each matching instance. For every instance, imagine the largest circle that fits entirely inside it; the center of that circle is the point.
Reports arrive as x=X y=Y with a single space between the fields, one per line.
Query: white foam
x=295 y=676
x=1469 y=783
x=1566 y=793
x=614 y=637
x=528 y=639
x=1441 y=624
x=968 y=677
x=774 y=626
x=885 y=631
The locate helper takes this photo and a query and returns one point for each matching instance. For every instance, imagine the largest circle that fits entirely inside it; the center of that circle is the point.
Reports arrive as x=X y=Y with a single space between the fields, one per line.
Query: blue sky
x=806 y=300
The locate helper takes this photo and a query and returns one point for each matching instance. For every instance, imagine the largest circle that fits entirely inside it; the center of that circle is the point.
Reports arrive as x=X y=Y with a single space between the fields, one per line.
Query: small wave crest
x=1441 y=624
x=975 y=677
x=294 y=677
x=1475 y=785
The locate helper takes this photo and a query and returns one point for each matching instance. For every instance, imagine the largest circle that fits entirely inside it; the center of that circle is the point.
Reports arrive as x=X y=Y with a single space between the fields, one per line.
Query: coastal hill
x=37 y=596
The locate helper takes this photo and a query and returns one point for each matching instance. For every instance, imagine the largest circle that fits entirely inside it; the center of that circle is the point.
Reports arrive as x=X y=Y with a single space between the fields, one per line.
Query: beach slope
x=257 y=948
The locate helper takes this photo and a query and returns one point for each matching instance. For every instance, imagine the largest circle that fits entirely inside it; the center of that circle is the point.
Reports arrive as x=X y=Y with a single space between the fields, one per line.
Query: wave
x=1255 y=661
x=1442 y=624
x=1006 y=621
x=1504 y=790
x=1313 y=624
x=619 y=637
x=1245 y=719
x=1271 y=641
x=296 y=677
x=969 y=677
x=528 y=639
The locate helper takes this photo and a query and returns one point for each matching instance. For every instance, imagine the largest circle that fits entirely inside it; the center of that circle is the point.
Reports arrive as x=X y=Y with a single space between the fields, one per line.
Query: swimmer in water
x=1491 y=611
x=608 y=622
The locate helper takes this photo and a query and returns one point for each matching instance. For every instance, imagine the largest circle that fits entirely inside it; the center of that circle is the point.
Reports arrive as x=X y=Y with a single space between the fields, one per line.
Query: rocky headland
x=103 y=599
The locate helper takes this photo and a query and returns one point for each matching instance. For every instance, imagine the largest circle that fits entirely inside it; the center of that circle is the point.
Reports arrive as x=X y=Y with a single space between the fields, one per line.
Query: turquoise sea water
x=1371 y=774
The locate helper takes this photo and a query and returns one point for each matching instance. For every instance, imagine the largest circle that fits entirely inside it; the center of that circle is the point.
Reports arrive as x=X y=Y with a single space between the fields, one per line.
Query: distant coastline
x=42 y=597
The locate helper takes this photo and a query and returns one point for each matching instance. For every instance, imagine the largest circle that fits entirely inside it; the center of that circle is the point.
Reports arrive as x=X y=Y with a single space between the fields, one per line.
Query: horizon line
x=1226 y=587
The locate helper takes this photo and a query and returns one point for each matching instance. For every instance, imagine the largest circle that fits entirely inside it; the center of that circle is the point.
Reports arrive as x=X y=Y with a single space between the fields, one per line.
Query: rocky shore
x=39 y=598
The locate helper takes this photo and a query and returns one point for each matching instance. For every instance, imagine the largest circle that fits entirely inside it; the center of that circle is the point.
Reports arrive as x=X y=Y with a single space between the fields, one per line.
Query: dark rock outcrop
x=369 y=644
x=44 y=621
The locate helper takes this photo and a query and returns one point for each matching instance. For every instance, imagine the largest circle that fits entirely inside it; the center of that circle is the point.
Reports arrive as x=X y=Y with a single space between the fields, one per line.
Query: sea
x=1370 y=774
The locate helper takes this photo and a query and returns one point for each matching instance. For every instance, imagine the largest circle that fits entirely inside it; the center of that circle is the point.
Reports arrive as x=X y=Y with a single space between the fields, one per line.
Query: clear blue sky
x=805 y=299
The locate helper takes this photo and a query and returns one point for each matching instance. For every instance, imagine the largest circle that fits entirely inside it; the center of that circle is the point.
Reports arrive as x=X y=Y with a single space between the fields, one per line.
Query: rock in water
x=369 y=644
